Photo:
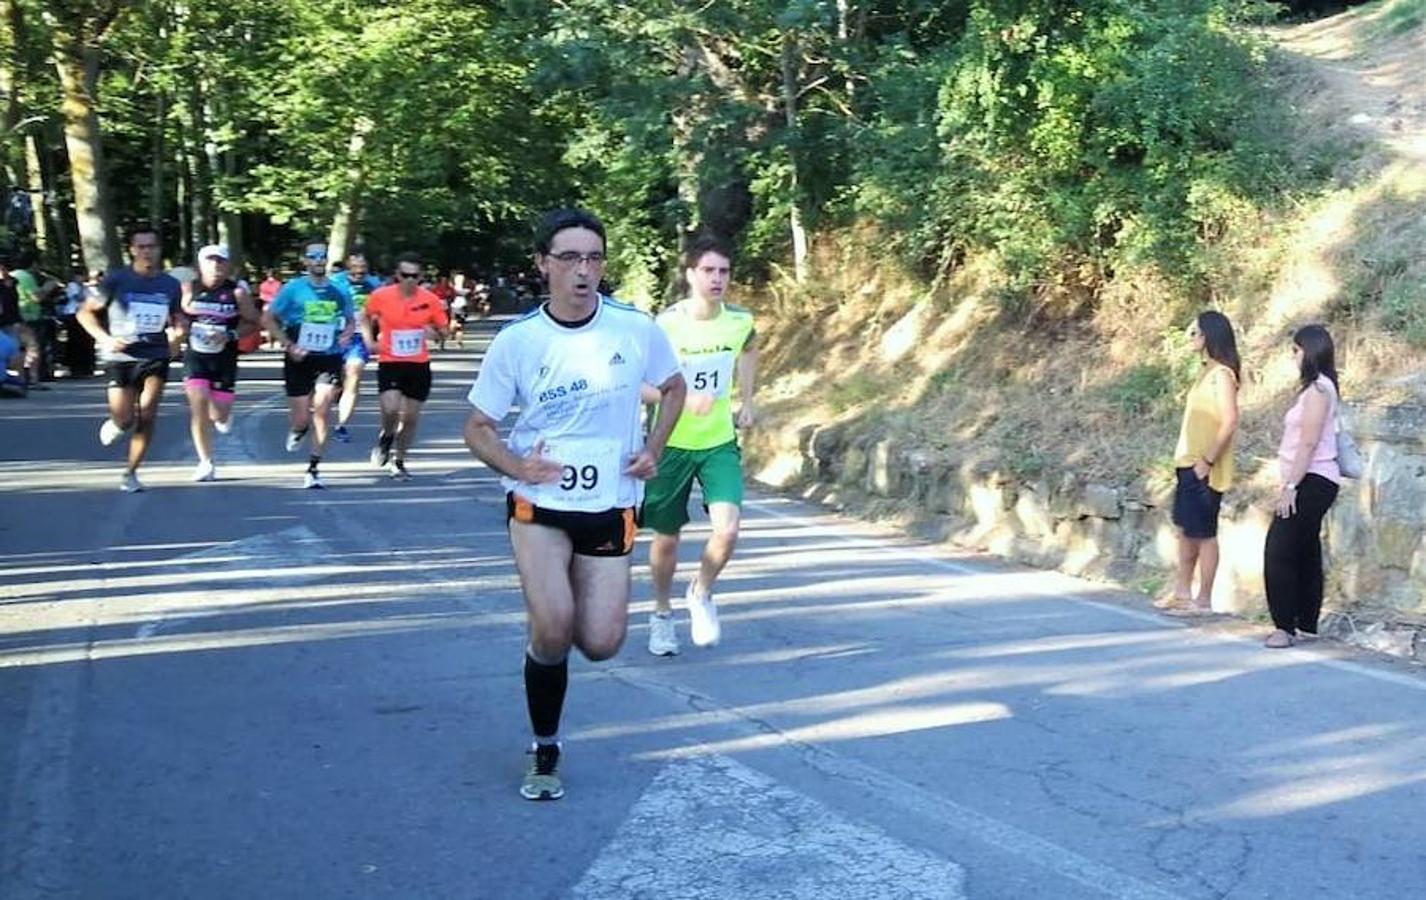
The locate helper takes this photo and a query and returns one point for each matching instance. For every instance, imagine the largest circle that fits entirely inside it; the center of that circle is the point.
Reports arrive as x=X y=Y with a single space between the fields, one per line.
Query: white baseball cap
x=219 y=251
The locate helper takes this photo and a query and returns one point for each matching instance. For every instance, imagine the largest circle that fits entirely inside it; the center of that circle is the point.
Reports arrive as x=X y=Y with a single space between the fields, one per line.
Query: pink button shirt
x=1324 y=455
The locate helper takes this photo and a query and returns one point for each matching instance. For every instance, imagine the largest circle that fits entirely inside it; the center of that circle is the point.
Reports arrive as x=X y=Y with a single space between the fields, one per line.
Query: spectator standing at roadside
x=78 y=345
x=1311 y=478
x=266 y=292
x=1203 y=459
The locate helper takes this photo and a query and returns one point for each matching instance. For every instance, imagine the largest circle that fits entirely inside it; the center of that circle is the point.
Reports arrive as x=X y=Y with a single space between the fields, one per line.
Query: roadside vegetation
x=983 y=223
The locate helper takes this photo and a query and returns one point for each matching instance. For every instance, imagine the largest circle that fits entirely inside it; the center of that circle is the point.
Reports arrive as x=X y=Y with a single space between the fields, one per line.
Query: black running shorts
x=133 y=373
x=301 y=376
x=607 y=533
x=412 y=379
x=219 y=370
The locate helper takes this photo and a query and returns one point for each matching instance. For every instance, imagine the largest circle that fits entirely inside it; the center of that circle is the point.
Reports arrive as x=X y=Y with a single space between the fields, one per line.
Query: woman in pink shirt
x=1307 y=464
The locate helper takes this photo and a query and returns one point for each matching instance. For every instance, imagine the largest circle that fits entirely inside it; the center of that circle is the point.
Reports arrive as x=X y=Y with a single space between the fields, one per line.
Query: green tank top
x=708 y=351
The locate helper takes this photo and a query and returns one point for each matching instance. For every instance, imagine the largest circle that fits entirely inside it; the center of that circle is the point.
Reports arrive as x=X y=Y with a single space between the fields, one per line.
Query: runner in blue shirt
x=143 y=314
x=355 y=354
x=312 y=319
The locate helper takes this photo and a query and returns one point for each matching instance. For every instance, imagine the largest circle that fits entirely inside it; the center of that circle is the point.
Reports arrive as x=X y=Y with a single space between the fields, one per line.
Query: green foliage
x=1143 y=389
x=1401 y=16
x=855 y=390
x=944 y=381
x=1111 y=130
x=1403 y=307
x=1025 y=462
x=1056 y=136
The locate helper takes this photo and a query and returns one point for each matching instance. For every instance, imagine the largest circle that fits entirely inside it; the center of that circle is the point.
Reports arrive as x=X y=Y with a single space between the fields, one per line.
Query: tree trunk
x=200 y=185
x=156 y=161
x=844 y=36
x=222 y=161
x=78 y=65
x=49 y=150
x=344 y=223
x=12 y=22
x=38 y=187
x=182 y=188
x=789 y=107
x=230 y=225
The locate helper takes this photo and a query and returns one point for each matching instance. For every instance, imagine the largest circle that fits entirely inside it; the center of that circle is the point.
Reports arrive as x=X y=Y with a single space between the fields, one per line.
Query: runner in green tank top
x=715 y=345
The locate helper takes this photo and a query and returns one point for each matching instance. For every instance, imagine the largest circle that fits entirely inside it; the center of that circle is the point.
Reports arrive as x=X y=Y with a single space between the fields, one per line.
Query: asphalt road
x=244 y=689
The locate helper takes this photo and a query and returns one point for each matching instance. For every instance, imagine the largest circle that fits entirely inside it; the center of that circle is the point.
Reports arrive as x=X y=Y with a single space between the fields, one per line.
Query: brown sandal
x=1278 y=640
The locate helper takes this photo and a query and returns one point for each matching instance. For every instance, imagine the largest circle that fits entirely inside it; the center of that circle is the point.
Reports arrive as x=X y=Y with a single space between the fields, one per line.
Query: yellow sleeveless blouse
x=1201 y=419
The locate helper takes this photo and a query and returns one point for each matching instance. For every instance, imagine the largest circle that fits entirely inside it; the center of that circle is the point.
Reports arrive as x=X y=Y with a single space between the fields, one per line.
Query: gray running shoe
x=130 y=483
x=542 y=780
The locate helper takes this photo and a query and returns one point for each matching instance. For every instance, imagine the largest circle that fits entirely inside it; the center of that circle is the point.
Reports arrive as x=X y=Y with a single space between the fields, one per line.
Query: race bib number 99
x=709 y=374
x=589 y=475
x=408 y=342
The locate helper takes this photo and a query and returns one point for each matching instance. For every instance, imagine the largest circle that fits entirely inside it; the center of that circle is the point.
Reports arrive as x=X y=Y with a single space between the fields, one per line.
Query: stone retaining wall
x=1376 y=534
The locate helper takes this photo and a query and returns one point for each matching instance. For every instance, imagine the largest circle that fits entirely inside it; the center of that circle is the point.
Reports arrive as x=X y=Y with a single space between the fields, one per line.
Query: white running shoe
x=109 y=432
x=312 y=480
x=223 y=427
x=702 y=616
x=663 y=636
x=206 y=471
x=130 y=483
x=294 y=440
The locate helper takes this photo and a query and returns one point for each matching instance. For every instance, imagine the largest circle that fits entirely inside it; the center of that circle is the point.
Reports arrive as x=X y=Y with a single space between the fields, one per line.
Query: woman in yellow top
x=1203 y=459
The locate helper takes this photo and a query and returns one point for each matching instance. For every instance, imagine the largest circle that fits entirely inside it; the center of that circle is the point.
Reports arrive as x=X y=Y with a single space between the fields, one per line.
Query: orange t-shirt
x=403 y=322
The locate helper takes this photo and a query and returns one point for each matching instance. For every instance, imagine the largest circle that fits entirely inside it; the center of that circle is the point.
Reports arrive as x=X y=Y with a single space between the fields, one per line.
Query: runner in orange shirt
x=408 y=316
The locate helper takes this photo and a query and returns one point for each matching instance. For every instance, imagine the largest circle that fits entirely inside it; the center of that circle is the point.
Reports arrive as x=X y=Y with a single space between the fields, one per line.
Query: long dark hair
x=1319 y=356
x=1219 y=342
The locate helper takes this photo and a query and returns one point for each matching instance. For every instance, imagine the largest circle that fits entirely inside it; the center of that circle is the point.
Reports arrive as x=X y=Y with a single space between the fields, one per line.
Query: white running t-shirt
x=578 y=390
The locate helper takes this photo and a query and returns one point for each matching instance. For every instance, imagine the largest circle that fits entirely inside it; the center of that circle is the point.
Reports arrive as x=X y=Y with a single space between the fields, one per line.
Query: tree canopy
x=1052 y=134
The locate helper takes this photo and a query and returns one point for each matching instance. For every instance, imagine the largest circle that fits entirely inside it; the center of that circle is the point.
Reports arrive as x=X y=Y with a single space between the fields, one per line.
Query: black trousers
x=78 y=348
x=1292 y=558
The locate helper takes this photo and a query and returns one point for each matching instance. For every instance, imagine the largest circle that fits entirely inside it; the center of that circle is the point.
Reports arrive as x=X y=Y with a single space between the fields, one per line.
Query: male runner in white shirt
x=575 y=462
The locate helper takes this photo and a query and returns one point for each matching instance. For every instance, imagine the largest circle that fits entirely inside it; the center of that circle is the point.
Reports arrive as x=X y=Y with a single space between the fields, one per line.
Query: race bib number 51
x=589 y=475
x=709 y=374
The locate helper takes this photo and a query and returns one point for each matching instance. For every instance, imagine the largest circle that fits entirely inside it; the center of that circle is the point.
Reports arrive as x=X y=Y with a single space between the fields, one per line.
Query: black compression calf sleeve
x=544 y=693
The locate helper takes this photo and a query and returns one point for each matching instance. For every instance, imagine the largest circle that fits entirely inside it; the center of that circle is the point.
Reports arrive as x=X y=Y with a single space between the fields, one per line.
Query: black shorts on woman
x=219 y=370
x=1195 y=505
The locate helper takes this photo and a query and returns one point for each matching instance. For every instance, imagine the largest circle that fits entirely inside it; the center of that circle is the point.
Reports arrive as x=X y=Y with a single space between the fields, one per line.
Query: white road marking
x=265 y=555
x=907 y=797
x=711 y=828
